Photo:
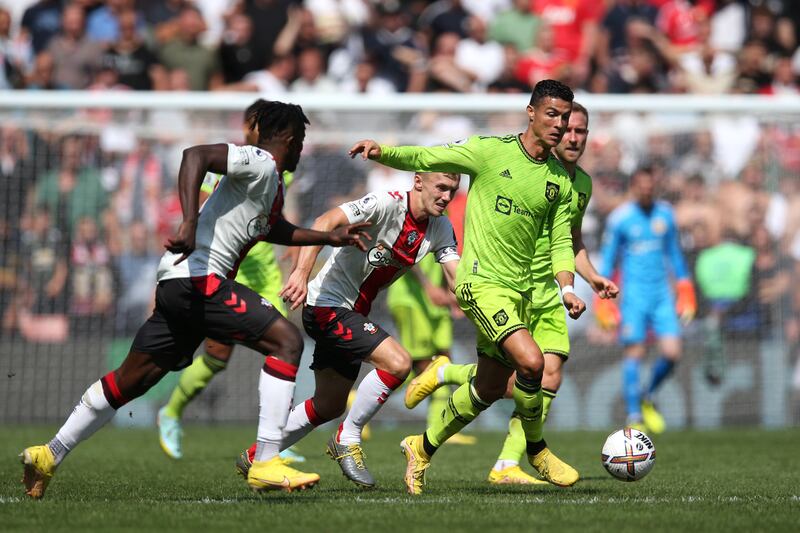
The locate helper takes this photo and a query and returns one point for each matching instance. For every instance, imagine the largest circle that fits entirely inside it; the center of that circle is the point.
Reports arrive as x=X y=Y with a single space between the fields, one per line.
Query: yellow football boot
x=652 y=418
x=40 y=465
x=513 y=475
x=275 y=474
x=553 y=469
x=418 y=462
x=424 y=384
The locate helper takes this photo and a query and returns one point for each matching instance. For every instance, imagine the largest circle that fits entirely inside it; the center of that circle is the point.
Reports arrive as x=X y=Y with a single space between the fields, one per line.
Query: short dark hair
x=551 y=89
x=578 y=108
x=273 y=117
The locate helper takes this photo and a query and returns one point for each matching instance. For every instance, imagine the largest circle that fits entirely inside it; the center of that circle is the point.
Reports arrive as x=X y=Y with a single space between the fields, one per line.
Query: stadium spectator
x=273 y=80
x=443 y=16
x=71 y=191
x=752 y=68
x=91 y=281
x=41 y=22
x=784 y=79
x=507 y=81
x=728 y=26
x=516 y=26
x=16 y=56
x=103 y=23
x=136 y=65
x=365 y=80
x=311 y=70
x=443 y=72
x=74 y=56
x=543 y=61
x=300 y=33
x=575 y=25
x=184 y=51
x=135 y=265
x=482 y=59
x=41 y=77
x=44 y=267
x=613 y=37
x=270 y=17
x=236 y=54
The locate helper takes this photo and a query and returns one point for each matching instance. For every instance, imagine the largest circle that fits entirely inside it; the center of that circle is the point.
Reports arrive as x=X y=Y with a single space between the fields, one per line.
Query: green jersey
x=407 y=291
x=545 y=289
x=511 y=198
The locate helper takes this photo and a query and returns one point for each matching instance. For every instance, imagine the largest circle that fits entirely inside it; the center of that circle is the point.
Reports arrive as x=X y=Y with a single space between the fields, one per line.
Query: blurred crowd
x=387 y=46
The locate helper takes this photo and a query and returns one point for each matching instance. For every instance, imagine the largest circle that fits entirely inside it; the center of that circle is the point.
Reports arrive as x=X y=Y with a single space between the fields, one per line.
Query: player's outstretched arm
x=334 y=222
x=604 y=287
x=463 y=157
x=196 y=161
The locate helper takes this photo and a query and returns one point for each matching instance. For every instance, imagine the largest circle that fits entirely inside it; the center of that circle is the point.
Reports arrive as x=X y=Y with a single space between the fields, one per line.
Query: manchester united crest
x=551 y=191
x=581 y=201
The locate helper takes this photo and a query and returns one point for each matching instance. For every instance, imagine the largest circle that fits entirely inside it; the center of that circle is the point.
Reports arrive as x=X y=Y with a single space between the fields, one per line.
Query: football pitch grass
x=732 y=480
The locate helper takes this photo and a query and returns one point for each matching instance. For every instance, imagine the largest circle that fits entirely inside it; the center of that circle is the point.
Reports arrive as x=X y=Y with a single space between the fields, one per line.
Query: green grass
x=733 y=480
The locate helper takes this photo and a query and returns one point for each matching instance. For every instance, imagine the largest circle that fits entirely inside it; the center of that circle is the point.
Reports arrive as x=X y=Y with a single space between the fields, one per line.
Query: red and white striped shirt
x=351 y=278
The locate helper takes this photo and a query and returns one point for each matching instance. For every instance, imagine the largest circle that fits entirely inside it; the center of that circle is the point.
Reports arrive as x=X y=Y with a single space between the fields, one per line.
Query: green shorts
x=496 y=311
x=422 y=333
x=548 y=327
x=266 y=280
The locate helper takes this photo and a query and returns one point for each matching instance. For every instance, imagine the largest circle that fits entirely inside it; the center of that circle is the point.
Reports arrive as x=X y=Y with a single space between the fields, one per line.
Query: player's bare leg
x=283 y=343
x=392 y=365
x=98 y=405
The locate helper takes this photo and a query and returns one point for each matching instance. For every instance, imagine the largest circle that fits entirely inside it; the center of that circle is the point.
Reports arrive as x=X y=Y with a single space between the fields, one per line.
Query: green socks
x=192 y=381
x=528 y=400
x=547 y=398
x=459 y=374
x=437 y=404
x=461 y=409
x=514 y=445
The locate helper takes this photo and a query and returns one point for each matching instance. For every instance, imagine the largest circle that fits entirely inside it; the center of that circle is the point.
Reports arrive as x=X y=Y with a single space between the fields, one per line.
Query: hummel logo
x=506 y=174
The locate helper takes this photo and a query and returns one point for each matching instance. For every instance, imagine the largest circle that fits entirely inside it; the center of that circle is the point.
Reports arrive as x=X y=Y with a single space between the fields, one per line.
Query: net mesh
x=89 y=195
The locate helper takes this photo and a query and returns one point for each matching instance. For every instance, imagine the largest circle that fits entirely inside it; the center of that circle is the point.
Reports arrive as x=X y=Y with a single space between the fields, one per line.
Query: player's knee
x=398 y=365
x=531 y=368
x=289 y=346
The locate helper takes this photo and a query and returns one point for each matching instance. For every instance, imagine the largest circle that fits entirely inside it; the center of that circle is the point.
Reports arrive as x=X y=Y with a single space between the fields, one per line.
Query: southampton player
x=641 y=239
x=196 y=297
x=547 y=315
x=405 y=226
x=517 y=188
x=260 y=272
x=420 y=306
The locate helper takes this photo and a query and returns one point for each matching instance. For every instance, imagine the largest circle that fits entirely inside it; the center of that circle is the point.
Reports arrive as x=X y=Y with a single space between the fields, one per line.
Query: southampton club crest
x=412 y=238
x=581 y=201
x=370 y=328
x=258 y=226
x=551 y=191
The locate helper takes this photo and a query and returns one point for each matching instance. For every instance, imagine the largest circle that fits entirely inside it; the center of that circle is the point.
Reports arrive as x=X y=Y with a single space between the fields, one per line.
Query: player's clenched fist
x=368 y=149
x=183 y=241
x=574 y=305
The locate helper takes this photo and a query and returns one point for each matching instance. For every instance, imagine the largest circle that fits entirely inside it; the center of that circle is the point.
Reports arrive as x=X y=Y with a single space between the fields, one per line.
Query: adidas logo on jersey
x=506 y=174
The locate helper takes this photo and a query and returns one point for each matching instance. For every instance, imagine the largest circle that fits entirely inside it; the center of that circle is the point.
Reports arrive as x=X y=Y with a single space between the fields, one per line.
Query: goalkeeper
x=642 y=241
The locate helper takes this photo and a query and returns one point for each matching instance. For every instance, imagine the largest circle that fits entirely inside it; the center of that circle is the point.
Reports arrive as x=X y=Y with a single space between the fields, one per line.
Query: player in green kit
x=420 y=307
x=549 y=321
x=259 y=271
x=517 y=188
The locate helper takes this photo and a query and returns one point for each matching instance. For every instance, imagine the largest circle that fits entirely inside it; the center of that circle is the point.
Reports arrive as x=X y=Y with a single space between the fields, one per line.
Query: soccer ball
x=628 y=454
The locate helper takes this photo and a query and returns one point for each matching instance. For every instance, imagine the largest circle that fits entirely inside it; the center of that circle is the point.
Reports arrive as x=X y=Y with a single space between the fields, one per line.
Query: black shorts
x=190 y=309
x=343 y=338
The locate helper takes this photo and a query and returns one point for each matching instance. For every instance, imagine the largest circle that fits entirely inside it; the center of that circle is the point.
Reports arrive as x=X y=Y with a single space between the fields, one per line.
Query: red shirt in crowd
x=566 y=18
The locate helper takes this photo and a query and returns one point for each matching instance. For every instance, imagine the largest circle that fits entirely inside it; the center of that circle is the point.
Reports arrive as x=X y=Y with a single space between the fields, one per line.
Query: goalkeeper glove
x=606 y=313
x=686 y=303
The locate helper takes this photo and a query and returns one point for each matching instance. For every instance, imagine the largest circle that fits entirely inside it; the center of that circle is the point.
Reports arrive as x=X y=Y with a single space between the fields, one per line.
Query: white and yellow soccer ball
x=628 y=454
